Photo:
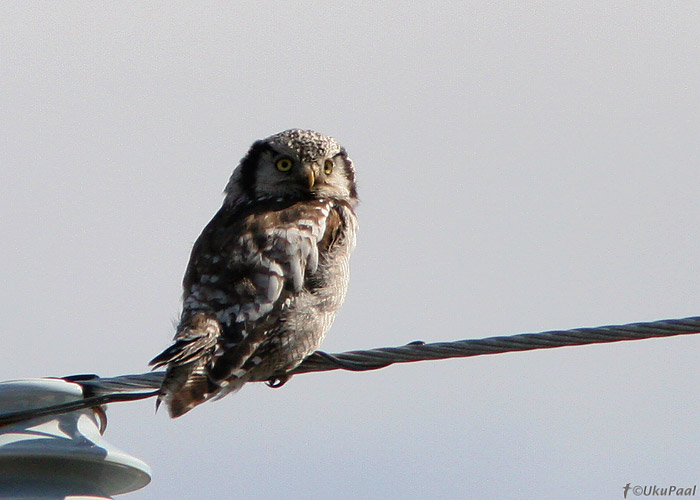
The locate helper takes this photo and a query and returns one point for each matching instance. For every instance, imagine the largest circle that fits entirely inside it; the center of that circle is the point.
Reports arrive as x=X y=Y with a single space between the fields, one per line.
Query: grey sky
x=521 y=167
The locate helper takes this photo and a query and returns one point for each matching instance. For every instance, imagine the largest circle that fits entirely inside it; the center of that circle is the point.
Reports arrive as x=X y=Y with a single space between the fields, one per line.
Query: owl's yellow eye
x=284 y=164
x=328 y=167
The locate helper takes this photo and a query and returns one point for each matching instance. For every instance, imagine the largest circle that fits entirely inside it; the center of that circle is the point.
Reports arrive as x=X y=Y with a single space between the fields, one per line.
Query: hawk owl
x=268 y=273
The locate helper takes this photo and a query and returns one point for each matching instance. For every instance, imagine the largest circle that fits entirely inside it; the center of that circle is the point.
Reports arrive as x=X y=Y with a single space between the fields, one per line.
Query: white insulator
x=60 y=456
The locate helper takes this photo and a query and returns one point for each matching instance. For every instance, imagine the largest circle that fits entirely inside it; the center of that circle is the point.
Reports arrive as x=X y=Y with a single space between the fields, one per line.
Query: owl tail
x=184 y=388
x=186 y=382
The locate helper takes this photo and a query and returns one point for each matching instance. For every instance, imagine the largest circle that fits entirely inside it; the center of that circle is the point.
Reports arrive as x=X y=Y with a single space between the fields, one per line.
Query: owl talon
x=277 y=382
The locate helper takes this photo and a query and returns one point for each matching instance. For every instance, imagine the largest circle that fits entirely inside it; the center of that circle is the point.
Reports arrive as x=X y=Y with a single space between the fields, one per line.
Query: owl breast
x=307 y=315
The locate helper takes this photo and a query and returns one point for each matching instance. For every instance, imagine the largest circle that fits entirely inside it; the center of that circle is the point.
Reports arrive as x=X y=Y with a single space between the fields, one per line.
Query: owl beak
x=312 y=178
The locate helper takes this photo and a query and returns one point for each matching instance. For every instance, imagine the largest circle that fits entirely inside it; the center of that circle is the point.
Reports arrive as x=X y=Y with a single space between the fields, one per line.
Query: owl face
x=297 y=164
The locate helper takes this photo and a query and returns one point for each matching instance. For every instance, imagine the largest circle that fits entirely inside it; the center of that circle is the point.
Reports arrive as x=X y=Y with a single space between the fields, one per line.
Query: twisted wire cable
x=103 y=390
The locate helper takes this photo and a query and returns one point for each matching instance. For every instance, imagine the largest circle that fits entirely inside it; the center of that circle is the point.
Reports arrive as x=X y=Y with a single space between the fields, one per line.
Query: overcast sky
x=521 y=168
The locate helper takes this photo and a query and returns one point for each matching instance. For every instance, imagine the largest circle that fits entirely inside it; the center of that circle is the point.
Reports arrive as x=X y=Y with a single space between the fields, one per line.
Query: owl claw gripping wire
x=278 y=381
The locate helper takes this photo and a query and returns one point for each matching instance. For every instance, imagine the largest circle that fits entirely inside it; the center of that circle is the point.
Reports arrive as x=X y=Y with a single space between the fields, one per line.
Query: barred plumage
x=268 y=273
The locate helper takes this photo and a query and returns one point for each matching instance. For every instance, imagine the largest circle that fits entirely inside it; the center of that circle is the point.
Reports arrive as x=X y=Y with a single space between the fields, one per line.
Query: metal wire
x=99 y=390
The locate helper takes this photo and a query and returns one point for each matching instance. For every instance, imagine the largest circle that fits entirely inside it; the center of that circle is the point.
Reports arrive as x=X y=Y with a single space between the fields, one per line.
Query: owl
x=269 y=272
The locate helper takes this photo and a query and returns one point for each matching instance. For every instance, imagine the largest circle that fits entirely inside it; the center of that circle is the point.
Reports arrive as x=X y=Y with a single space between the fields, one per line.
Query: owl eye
x=284 y=164
x=328 y=167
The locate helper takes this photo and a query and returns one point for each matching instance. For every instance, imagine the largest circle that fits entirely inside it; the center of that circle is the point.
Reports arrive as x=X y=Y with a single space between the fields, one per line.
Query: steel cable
x=103 y=390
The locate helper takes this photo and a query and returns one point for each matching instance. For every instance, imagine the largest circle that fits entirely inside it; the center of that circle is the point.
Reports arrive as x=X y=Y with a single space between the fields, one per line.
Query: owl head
x=296 y=164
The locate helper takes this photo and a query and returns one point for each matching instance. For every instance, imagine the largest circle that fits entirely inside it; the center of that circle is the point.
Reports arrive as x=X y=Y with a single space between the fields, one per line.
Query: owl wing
x=244 y=266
